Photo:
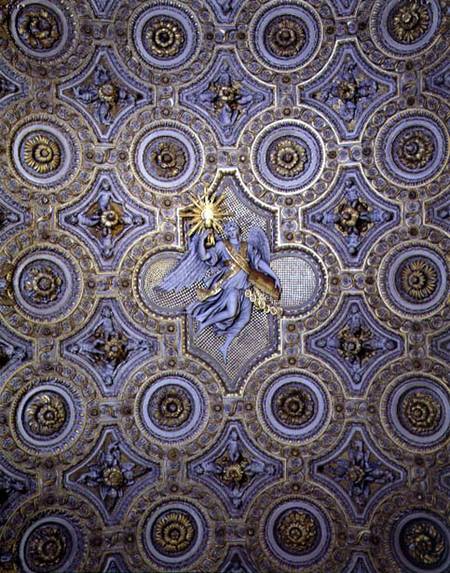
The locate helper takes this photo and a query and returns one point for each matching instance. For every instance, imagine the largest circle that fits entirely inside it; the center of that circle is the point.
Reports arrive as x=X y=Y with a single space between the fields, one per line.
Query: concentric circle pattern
x=172 y=408
x=43 y=154
x=412 y=151
x=418 y=412
x=41 y=29
x=175 y=534
x=49 y=544
x=415 y=280
x=297 y=533
x=165 y=36
x=422 y=543
x=286 y=36
x=168 y=158
x=46 y=285
x=288 y=157
x=405 y=28
x=294 y=407
x=48 y=416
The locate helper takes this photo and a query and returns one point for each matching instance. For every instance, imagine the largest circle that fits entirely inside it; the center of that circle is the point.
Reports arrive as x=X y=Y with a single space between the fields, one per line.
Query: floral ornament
x=409 y=21
x=420 y=413
x=423 y=543
x=106 y=98
x=38 y=27
x=174 y=532
x=47 y=548
x=358 y=472
x=414 y=149
x=43 y=284
x=419 y=279
x=350 y=93
x=170 y=406
x=42 y=154
x=227 y=98
x=287 y=157
x=354 y=216
x=164 y=37
x=168 y=158
x=293 y=406
x=46 y=414
x=235 y=468
x=108 y=346
x=106 y=220
x=356 y=343
x=285 y=37
x=110 y=475
x=297 y=531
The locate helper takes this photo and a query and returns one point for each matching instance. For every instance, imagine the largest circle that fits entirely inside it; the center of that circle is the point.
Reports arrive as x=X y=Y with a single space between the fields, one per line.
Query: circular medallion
x=165 y=36
x=418 y=411
x=411 y=150
x=48 y=415
x=297 y=532
x=40 y=29
x=46 y=284
x=286 y=36
x=288 y=156
x=294 y=407
x=44 y=154
x=421 y=542
x=172 y=408
x=414 y=280
x=168 y=158
x=175 y=534
x=50 y=544
x=404 y=28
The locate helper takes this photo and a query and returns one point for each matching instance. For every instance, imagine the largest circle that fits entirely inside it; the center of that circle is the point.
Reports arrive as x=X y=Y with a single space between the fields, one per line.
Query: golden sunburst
x=205 y=213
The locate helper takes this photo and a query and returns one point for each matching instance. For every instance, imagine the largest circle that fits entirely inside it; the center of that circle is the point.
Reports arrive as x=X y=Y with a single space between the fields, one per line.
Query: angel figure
x=239 y=276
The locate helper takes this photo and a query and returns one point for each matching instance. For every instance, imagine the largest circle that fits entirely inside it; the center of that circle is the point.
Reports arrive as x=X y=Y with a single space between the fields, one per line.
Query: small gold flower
x=294 y=406
x=297 y=531
x=46 y=414
x=421 y=412
x=174 y=532
x=415 y=149
x=169 y=159
x=419 y=279
x=47 y=547
x=410 y=21
x=38 y=28
x=43 y=284
x=288 y=158
x=172 y=406
x=164 y=37
x=42 y=154
x=424 y=543
x=285 y=37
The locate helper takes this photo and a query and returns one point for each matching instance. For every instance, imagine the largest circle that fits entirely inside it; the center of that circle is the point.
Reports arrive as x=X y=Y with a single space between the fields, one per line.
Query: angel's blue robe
x=233 y=279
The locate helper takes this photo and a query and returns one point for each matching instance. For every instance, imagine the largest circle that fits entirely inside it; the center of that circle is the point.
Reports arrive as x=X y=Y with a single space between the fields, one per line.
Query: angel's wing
x=189 y=270
x=258 y=244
